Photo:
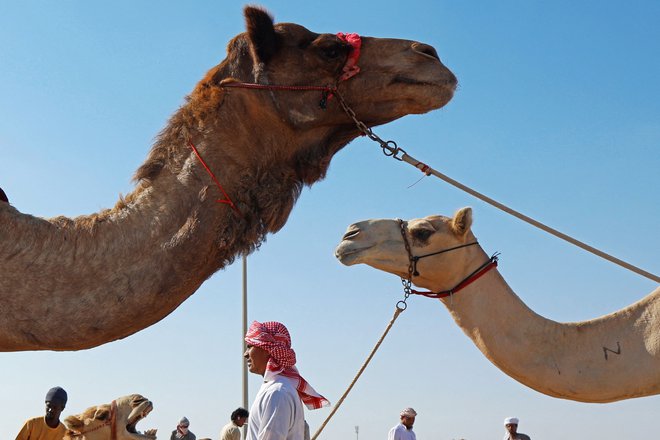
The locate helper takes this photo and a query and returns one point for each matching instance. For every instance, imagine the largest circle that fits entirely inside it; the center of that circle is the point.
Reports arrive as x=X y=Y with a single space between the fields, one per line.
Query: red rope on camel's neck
x=227 y=200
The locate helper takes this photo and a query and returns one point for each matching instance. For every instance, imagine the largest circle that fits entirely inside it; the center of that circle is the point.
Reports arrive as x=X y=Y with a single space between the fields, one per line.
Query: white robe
x=277 y=412
x=400 y=432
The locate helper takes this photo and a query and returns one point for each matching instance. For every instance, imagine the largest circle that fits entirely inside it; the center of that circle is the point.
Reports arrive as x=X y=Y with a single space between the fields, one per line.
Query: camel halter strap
x=349 y=70
x=112 y=422
x=412 y=270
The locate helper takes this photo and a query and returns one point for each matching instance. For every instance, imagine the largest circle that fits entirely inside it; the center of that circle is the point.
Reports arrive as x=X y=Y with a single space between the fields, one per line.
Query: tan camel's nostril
x=425 y=50
x=351 y=233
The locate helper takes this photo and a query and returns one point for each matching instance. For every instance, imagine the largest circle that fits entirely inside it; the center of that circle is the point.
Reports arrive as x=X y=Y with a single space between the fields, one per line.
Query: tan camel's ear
x=73 y=422
x=264 y=42
x=462 y=221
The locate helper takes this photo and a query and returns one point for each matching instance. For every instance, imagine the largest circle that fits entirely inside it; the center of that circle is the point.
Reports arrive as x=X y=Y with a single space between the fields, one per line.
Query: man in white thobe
x=404 y=430
x=277 y=412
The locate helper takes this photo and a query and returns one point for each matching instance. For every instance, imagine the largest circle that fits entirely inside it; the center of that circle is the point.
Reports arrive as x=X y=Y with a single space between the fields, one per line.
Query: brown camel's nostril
x=426 y=50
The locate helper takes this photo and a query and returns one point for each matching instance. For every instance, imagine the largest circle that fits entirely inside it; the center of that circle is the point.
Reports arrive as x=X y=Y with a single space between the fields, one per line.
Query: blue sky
x=557 y=114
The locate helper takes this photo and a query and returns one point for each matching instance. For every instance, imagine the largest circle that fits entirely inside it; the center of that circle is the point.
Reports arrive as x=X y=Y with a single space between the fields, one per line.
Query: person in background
x=182 y=431
x=49 y=426
x=277 y=412
x=232 y=431
x=404 y=430
x=511 y=426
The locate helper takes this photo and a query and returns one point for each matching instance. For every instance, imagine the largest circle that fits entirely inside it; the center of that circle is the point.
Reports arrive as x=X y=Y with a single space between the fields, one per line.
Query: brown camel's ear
x=462 y=221
x=264 y=42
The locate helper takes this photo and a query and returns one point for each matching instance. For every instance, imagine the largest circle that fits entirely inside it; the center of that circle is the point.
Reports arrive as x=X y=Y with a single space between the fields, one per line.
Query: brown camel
x=71 y=284
x=610 y=358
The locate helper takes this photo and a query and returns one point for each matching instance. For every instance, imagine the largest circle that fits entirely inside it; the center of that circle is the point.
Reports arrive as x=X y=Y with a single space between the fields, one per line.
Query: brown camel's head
x=98 y=422
x=379 y=243
x=396 y=78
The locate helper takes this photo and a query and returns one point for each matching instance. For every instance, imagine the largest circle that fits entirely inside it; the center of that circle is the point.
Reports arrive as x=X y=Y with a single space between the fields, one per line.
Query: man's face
x=53 y=411
x=408 y=421
x=240 y=421
x=257 y=359
x=512 y=428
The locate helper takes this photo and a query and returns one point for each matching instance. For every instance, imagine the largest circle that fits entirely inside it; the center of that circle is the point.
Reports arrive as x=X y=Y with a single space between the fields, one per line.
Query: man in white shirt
x=277 y=412
x=404 y=431
x=511 y=426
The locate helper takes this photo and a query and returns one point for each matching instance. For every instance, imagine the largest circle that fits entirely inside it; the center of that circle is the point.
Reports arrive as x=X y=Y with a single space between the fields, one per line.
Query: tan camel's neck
x=600 y=360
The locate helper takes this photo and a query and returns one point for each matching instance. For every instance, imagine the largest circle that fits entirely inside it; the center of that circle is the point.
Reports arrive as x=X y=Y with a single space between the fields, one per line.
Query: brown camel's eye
x=332 y=52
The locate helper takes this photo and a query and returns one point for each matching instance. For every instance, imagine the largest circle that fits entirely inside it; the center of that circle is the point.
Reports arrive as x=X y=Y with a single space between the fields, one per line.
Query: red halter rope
x=349 y=70
x=412 y=269
x=112 y=422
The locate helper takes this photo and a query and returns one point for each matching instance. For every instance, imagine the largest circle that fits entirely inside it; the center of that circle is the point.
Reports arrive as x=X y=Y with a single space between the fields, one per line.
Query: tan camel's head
x=379 y=243
x=98 y=422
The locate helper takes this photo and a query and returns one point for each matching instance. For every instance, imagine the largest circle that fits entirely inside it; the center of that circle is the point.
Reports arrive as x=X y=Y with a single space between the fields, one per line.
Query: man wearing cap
x=404 y=430
x=277 y=413
x=511 y=426
x=48 y=427
x=182 y=432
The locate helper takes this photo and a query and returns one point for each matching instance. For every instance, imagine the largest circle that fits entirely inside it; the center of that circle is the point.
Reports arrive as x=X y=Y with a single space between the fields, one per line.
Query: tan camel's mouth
x=139 y=413
x=348 y=254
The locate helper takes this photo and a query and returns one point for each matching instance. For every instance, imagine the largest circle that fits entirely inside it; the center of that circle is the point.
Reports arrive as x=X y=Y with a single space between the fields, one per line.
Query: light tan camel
x=610 y=358
x=113 y=421
x=70 y=284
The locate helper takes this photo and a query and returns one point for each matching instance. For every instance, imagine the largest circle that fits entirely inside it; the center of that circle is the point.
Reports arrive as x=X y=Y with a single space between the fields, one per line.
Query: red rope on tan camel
x=111 y=422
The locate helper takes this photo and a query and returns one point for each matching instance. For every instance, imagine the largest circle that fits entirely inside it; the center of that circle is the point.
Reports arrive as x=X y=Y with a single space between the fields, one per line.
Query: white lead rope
x=428 y=171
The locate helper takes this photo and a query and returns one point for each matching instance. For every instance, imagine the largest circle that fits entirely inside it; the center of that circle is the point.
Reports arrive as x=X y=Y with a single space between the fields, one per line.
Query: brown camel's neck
x=136 y=263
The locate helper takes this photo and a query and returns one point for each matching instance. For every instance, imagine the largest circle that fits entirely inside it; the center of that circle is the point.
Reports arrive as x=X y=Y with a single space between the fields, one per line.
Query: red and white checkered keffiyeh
x=275 y=339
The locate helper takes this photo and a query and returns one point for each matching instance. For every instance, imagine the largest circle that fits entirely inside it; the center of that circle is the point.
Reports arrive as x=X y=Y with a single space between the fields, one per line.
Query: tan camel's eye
x=421 y=235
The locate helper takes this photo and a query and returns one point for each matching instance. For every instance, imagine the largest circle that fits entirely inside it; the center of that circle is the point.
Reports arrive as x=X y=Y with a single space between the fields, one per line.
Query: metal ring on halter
x=390 y=148
x=401 y=305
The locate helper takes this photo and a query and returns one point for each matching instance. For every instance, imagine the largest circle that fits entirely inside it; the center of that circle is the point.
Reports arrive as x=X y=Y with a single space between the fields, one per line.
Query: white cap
x=511 y=421
x=408 y=412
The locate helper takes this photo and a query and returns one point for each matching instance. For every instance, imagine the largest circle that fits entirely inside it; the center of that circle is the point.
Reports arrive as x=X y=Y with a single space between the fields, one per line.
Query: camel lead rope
x=390 y=148
x=397 y=312
x=428 y=171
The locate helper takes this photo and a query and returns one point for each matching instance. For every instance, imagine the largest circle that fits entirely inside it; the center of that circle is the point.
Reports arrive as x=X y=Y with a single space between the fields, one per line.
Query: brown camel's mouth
x=448 y=84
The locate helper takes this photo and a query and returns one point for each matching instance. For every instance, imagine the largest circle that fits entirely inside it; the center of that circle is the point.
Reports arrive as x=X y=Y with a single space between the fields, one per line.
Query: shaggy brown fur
x=70 y=284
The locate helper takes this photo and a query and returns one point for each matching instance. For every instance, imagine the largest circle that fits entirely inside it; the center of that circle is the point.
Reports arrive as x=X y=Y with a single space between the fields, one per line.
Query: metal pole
x=245 y=370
